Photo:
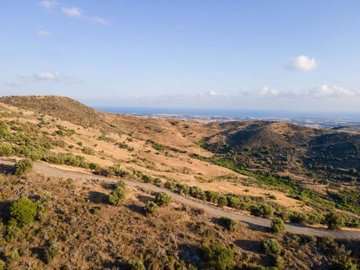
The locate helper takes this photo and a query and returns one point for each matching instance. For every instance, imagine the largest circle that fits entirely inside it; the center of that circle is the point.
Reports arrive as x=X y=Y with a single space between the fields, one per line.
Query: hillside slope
x=77 y=225
x=281 y=147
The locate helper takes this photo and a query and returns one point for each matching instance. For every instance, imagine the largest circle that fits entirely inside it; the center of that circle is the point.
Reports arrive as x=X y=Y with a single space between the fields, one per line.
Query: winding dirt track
x=43 y=168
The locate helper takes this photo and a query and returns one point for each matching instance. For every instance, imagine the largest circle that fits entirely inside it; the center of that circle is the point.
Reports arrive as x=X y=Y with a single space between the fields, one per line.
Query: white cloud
x=304 y=63
x=48 y=4
x=14 y=84
x=267 y=91
x=322 y=91
x=216 y=94
x=72 y=12
x=75 y=12
x=99 y=20
x=332 y=91
x=47 y=76
x=42 y=33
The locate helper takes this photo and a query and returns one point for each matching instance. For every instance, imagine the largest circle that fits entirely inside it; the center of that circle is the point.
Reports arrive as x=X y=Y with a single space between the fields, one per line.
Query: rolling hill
x=268 y=169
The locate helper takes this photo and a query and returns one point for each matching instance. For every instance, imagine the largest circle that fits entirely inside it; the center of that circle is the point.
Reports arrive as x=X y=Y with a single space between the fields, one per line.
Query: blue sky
x=254 y=54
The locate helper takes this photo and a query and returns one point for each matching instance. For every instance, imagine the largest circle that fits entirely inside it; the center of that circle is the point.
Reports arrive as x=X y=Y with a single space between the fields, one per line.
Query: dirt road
x=214 y=211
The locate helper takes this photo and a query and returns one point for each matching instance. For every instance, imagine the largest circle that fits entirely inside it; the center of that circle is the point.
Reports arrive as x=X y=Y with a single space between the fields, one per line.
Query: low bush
x=262 y=210
x=117 y=196
x=107 y=172
x=2 y=265
x=136 y=265
x=6 y=150
x=118 y=171
x=23 y=167
x=297 y=217
x=3 y=130
x=88 y=151
x=23 y=211
x=217 y=257
x=51 y=251
x=162 y=199
x=227 y=223
x=151 y=207
x=333 y=221
x=277 y=225
x=222 y=201
x=271 y=246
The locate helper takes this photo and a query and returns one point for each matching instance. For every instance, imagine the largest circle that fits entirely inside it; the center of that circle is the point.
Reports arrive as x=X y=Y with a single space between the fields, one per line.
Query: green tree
x=23 y=211
x=217 y=257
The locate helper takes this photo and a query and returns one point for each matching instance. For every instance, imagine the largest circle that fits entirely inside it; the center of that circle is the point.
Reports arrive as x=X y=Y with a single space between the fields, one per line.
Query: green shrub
x=234 y=202
x=211 y=196
x=117 y=196
x=146 y=178
x=66 y=159
x=107 y=172
x=88 y=150
x=118 y=171
x=346 y=265
x=162 y=199
x=271 y=246
x=136 y=265
x=277 y=225
x=3 y=130
x=14 y=255
x=333 y=221
x=279 y=262
x=2 y=265
x=262 y=210
x=23 y=167
x=217 y=257
x=23 y=211
x=12 y=231
x=227 y=223
x=297 y=217
x=31 y=152
x=51 y=251
x=222 y=201
x=158 y=147
x=6 y=150
x=94 y=166
x=150 y=207
x=197 y=193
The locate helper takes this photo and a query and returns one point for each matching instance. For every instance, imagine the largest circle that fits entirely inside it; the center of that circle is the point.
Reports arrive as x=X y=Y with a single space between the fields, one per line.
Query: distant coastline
x=313 y=119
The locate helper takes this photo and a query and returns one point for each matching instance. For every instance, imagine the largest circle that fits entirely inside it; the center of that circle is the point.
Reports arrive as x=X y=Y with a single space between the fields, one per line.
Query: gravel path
x=214 y=211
